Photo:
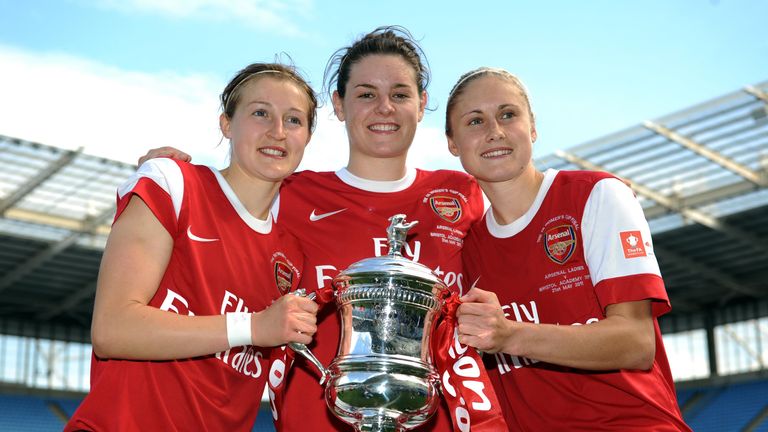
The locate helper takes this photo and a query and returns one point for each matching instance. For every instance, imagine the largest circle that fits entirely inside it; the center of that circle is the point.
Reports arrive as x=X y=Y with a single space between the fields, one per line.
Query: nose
x=277 y=131
x=384 y=106
x=495 y=132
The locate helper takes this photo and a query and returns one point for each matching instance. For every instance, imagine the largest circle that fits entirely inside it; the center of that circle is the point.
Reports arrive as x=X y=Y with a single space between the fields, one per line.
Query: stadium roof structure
x=701 y=175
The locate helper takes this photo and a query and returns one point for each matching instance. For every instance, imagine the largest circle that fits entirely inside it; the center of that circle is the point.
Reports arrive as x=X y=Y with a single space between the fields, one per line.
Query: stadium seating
x=735 y=407
x=726 y=408
x=30 y=414
x=25 y=413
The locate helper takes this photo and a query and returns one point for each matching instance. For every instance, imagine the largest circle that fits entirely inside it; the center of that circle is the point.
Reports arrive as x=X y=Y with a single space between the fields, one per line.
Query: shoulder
x=582 y=177
x=307 y=177
x=163 y=172
x=589 y=182
x=449 y=178
x=444 y=173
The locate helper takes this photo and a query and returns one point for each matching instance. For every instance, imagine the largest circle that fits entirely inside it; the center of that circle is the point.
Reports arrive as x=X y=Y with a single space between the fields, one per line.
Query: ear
x=338 y=106
x=534 y=134
x=452 y=147
x=422 y=104
x=224 y=125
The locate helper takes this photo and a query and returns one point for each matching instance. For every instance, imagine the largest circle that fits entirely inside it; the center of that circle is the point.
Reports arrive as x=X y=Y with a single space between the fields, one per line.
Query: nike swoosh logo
x=316 y=217
x=196 y=238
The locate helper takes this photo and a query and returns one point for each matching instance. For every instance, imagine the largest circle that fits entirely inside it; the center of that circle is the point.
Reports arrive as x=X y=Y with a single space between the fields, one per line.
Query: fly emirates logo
x=325 y=273
x=244 y=359
x=522 y=312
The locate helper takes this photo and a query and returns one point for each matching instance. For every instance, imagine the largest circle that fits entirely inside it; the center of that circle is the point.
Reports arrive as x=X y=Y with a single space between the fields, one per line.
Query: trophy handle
x=303 y=350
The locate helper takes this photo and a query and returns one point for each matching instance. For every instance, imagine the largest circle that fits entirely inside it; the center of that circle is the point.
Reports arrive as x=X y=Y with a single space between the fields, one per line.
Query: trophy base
x=378 y=422
x=382 y=393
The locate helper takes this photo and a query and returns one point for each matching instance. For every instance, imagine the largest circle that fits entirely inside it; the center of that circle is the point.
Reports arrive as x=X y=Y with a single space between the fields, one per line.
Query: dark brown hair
x=387 y=40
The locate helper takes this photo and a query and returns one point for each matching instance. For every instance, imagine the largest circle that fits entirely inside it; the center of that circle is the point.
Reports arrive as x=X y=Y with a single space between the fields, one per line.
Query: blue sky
x=119 y=77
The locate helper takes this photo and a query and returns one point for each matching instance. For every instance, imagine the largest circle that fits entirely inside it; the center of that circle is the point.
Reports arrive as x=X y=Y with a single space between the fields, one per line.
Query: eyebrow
x=270 y=104
x=499 y=108
x=371 y=86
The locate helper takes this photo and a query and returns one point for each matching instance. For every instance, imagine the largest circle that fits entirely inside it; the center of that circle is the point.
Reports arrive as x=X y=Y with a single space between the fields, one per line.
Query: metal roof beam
x=52 y=250
x=706 y=197
x=55 y=221
x=709 y=272
x=675 y=205
x=756 y=92
x=38 y=179
x=731 y=165
x=71 y=301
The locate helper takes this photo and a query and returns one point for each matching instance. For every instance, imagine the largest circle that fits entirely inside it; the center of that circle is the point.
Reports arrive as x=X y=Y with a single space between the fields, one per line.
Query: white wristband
x=239 y=329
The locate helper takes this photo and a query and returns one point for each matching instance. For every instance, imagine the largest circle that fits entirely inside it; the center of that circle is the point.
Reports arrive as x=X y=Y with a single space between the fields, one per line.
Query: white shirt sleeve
x=165 y=173
x=617 y=239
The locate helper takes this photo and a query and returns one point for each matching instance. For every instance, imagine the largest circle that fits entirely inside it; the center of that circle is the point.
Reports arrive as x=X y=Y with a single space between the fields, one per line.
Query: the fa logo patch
x=283 y=277
x=559 y=243
x=448 y=208
x=632 y=244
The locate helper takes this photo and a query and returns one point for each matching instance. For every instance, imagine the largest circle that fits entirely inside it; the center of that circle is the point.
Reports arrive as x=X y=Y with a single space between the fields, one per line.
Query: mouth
x=273 y=151
x=384 y=127
x=496 y=153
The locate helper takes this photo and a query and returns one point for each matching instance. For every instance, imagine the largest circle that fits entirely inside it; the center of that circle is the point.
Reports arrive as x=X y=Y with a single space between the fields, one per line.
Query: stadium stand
x=701 y=175
x=734 y=407
x=31 y=413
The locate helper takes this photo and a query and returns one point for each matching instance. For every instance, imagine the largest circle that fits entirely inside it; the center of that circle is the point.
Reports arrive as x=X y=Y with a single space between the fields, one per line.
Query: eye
x=366 y=95
x=401 y=96
x=475 y=121
x=260 y=113
x=508 y=114
x=295 y=120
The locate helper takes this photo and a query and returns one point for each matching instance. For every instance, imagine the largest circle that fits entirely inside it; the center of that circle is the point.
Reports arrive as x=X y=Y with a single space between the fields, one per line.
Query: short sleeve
x=160 y=184
x=618 y=248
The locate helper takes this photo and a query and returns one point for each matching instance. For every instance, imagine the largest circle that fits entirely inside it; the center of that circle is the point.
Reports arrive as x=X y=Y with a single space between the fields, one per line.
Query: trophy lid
x=393 y=264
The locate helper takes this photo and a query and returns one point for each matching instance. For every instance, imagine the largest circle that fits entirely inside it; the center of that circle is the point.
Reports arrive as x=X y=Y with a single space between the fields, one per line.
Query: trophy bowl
x=383 y=377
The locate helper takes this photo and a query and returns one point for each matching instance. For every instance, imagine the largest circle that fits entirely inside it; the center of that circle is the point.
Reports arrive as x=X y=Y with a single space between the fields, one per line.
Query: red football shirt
x=583 y=245
x=340 y=219
x=223 y=260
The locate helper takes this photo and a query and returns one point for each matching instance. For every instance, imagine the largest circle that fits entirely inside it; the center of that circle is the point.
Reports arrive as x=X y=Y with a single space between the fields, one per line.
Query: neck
x=511 y=199
x=255 y=194
x=379 y=169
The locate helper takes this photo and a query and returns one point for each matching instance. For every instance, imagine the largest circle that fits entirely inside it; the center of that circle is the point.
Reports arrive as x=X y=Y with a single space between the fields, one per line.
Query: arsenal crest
x=448 y=208
x=283 y=277
x=559 y=243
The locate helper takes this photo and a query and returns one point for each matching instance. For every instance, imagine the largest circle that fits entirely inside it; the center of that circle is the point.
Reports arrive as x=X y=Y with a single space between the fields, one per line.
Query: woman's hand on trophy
x=481 y=322
x=165 y=152
x=289 y=319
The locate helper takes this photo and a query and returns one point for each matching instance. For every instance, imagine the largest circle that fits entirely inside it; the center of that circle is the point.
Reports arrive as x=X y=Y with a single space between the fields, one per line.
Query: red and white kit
x=583 y=245
x=340 y=219
x=223 y=260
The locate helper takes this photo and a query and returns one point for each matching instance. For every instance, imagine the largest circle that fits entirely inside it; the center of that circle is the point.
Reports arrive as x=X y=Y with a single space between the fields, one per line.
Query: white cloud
x=69 y=102
x=328 y=150
x=430 y=150
x=274 y=15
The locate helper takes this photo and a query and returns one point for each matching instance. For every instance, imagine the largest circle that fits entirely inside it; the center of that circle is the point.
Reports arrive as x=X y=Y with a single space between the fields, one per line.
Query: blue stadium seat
x=683 y=396
x=69 y=405
x=264 y=421
x=731 y=409
x=27 y=414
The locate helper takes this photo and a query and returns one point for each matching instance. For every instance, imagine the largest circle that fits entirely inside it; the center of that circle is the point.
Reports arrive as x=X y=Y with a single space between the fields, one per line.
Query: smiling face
x=491 y=129
x=269 y=129
x=381 y=107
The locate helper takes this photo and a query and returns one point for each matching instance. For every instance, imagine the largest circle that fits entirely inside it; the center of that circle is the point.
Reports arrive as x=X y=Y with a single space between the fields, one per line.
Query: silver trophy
x=383 y=378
